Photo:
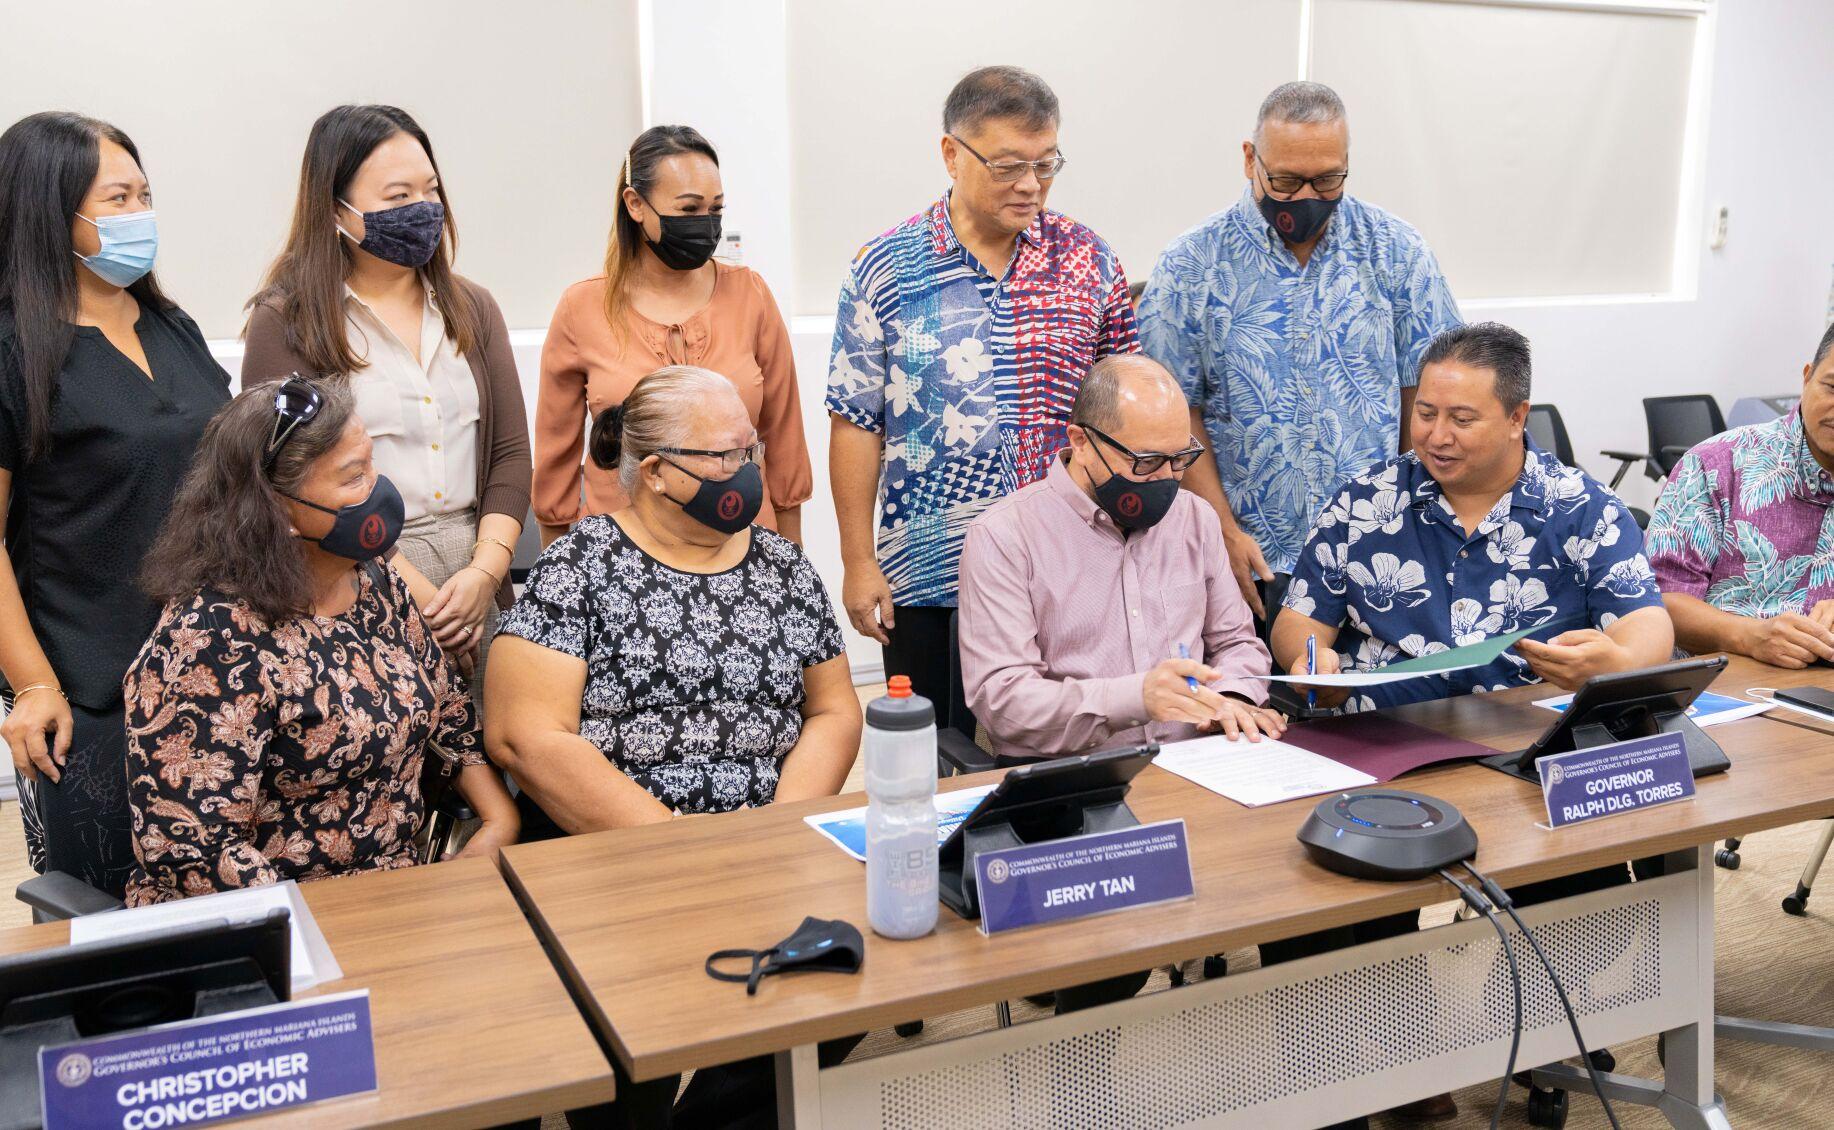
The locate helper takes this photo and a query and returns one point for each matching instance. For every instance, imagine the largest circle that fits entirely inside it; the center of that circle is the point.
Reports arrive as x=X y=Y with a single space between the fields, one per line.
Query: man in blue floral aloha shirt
x=1474 y=533
x=1295 y=321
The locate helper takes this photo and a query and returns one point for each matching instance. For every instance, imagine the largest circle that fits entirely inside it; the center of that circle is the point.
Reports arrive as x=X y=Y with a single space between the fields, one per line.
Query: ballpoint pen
x=1311 y=668
x=1185 y=653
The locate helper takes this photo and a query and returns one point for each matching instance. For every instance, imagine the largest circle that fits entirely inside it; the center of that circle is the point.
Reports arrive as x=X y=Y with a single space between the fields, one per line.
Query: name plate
x=211 y=1069
x=1608 y=779
x=1083 y=875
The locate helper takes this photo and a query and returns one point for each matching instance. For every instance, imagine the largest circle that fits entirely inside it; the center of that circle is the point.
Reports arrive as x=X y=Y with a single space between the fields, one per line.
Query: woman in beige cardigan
x=364 y=291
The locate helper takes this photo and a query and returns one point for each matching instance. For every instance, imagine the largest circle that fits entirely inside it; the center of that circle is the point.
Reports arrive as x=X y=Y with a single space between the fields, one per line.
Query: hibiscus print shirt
x=1744 y=522
x=1298 y=370
x=968 y=378
x=258 y=753
x=693 y=680
x=1389 y=559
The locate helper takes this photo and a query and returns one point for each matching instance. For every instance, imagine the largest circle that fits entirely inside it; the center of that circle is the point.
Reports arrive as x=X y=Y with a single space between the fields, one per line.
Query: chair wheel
x=1795 y=906
x=910 y=1029
x=1662 y=1049
x=1175 y=974
x=1547 y=1108
x=1216 y=966
x=1603 y=1060
x=1727 y=859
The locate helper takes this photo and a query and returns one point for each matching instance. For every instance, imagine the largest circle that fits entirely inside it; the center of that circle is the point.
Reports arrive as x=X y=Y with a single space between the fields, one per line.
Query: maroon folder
x=1380 y=746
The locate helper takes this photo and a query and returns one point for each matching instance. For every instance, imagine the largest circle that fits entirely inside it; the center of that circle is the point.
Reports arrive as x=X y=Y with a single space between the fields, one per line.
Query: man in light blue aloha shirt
x=1742 y=539
x=1295 y=321
x=1474 y=533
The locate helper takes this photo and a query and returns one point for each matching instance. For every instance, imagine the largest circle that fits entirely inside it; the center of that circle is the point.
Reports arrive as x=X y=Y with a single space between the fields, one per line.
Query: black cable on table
x=1482 y=905
x=1502 y=899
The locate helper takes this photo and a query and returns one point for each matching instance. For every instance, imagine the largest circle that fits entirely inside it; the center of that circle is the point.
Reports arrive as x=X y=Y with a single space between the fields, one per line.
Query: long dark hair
x=48 y=164
x=306 y=281
x=228 y=527
x=652 y=146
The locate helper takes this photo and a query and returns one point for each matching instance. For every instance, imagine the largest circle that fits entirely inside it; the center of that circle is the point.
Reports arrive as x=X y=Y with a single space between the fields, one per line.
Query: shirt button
x=1135 y=611
x=436 y=494
x=436 y=447
x=426 y=400
x=1463 y=553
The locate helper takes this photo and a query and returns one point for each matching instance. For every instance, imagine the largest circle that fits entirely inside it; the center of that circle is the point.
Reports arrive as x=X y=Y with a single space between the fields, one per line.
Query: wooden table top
x=472 y=1024
x=632 y=914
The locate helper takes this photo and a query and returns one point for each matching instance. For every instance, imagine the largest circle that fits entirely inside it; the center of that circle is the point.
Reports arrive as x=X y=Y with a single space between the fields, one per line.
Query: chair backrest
x=1680 y=422
x=1550 y=432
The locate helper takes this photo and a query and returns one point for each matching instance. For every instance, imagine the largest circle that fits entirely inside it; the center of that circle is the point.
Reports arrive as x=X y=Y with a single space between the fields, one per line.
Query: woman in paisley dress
x=280 y=713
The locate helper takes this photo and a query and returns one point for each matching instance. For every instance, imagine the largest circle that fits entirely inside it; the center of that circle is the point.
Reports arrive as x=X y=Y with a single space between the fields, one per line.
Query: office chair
x=58 y=895
x=1675 y=423
x=528 y=548
x=1550 y=432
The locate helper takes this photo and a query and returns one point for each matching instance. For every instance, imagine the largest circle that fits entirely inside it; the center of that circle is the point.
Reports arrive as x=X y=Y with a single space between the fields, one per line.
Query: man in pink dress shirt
x=1079 y=591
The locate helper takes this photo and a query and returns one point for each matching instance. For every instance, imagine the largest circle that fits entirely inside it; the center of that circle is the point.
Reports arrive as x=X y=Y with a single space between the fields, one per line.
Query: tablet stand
x=1704 y=754
x=1036 y=823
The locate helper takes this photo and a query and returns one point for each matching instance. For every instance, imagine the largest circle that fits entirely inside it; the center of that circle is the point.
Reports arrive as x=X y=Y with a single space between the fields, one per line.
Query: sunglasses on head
x=295 y=404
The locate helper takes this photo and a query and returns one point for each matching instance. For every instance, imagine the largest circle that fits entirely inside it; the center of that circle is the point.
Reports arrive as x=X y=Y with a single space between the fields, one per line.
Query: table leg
x=799 y=1088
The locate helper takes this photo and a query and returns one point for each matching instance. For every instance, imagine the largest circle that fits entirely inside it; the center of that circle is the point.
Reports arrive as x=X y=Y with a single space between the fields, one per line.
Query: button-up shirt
x=1062 y=615
x=1389 y=557
x=1744 y=522
x=967 y=377
x=1298 y=370
x=421 y=413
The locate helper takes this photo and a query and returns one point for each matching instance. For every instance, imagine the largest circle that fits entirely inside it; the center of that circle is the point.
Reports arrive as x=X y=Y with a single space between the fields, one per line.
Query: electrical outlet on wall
x=732 y=249
x=1722 y=221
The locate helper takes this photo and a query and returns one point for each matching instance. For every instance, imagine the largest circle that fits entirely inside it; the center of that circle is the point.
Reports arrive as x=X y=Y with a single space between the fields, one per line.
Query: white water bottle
x=900 y=751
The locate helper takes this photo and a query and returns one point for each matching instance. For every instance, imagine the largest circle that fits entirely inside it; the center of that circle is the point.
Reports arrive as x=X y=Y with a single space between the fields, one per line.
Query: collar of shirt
x=432 y=322
x=1527 y=501
x=1064 y=485
x=1247 y=213
x=942 y=231
x=1811 y=482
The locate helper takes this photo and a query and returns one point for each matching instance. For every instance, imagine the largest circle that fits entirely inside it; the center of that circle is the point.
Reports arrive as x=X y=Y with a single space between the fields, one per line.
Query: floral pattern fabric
x=1298 y=371
x=1744 y=522
x=968 y=378
x=1389 y=558
x=258 y=753
x=694 y=682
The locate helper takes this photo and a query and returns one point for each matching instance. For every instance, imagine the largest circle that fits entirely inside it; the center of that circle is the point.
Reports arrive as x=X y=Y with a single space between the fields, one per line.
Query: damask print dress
x=258 y=753
x=694 y=682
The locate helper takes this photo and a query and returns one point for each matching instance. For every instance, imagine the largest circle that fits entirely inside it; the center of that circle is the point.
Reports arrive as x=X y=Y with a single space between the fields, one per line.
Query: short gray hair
x=1300 y=103
x=1826 y=346
x=999 y=92
x=658 y=413
x=1487 y=345
x=1098 y=398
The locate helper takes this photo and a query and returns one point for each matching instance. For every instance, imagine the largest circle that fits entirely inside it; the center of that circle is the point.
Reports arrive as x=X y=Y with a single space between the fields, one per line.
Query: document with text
x=1257 y=773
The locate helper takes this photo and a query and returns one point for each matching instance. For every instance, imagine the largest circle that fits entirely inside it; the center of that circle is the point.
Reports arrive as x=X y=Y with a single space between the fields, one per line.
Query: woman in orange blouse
x=663 y=301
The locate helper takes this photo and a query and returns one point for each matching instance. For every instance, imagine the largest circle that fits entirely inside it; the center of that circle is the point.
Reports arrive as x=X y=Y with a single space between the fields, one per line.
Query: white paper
x=312 y=962
x=846 y=829
x=1355 y=678
x=1708 y=709
x=1257 y=773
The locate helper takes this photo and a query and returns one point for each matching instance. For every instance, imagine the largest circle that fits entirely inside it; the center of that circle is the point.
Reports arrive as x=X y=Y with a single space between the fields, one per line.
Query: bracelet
x=509 y=549
x=494 y=579
x=26 y=690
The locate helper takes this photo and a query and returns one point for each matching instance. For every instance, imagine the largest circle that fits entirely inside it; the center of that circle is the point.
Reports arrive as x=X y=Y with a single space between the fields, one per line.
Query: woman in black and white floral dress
x=671 y=658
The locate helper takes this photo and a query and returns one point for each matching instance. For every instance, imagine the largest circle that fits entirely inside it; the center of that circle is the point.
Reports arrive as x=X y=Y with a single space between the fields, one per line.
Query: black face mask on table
x=817 y=946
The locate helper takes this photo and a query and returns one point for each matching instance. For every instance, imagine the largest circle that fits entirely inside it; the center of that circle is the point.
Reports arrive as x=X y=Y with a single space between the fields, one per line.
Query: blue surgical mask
x=130 y=240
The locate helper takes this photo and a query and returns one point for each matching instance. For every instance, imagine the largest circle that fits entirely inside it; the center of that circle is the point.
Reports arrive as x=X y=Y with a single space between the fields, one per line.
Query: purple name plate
x=1608 y=779
x=1082 y=876
x=201 y=1071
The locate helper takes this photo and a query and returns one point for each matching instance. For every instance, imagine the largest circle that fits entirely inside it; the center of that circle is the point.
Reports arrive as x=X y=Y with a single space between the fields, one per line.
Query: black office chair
x=1550 y=432
x=957 y=751
x=528 y=548
x=1675 y=423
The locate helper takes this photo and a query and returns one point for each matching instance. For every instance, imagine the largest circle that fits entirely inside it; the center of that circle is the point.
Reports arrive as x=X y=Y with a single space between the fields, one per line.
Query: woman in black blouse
x=105 y=387
x=281 y=711
x=671 y=658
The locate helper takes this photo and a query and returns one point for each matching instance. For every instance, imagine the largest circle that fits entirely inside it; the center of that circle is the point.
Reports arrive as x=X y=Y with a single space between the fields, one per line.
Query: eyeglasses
x=1288 y=183
x=296 y=404
x=1148 y=462
x=730 y=460
x=1005 y=172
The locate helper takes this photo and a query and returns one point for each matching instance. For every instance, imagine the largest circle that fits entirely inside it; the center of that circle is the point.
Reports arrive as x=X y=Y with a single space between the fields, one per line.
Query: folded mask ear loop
x=750 y=980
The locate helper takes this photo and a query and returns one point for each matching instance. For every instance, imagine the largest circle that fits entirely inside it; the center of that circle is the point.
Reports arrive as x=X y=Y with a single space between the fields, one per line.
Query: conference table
x=631 y=915
x=472 y=1026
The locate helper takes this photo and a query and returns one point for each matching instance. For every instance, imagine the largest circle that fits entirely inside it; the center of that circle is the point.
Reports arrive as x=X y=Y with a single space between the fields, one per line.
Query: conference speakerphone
x=1387 y=834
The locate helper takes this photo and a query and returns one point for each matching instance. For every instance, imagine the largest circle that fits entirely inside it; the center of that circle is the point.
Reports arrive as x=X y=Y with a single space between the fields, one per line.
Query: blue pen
x=1185 y=653
x=1311 y=668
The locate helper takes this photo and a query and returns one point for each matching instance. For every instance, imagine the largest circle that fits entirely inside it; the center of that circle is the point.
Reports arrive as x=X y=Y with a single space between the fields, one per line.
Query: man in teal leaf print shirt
x=1742 y=540
x=1295 y=321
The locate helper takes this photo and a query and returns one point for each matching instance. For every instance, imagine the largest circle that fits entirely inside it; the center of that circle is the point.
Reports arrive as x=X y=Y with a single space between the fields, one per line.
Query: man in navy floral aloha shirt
x=1474 y=533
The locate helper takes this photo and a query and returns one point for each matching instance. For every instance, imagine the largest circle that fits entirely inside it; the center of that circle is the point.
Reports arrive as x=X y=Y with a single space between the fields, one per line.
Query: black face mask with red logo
x=1133 y=504
x=1297 y=220
x=365 y=529
x=726 y=505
